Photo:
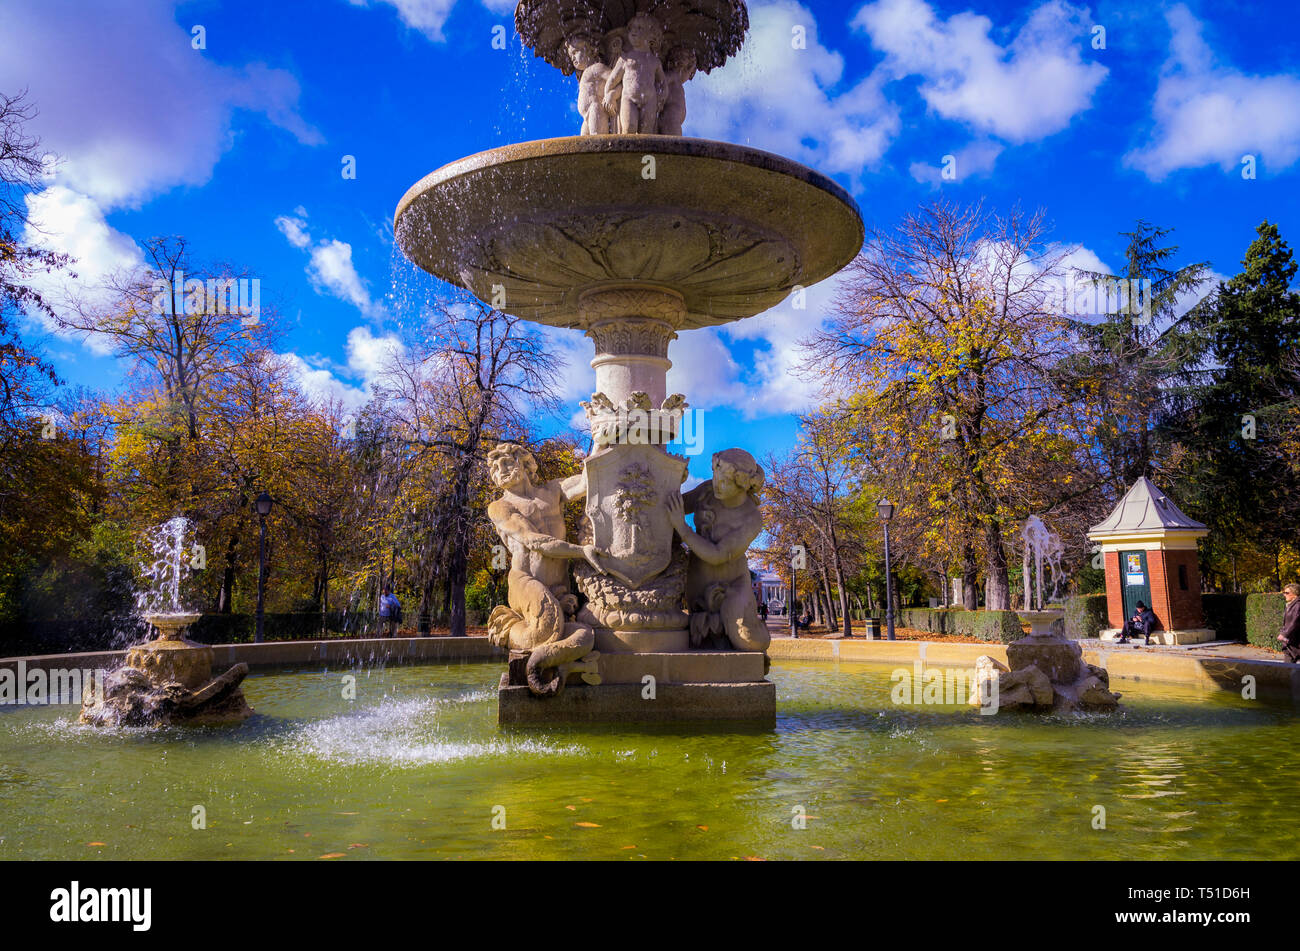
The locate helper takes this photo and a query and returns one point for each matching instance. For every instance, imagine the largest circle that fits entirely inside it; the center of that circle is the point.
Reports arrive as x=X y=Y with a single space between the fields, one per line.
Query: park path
x=779 y=627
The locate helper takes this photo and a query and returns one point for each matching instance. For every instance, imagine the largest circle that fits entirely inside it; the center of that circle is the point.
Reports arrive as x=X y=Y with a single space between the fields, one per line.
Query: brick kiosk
x=1148 y=548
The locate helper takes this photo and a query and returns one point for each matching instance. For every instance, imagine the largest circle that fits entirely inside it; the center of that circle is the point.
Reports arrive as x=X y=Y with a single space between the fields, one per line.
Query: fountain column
x=631 y=327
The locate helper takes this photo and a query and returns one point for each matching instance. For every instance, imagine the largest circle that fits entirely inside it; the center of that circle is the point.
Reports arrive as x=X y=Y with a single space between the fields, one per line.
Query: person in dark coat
x=1290 y=635
x=1141 y=622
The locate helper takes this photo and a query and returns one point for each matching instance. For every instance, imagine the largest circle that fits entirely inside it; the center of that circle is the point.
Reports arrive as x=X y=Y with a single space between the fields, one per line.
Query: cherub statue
x=680 y=66
x=539 y=619
x=637 y=80
x=727 y=518
x=592 y=73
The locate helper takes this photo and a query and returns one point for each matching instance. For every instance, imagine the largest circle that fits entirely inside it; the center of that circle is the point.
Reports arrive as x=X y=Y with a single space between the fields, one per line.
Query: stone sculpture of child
x=592 y=74
x=718 y=589
x=637 y=80
x=680 y=70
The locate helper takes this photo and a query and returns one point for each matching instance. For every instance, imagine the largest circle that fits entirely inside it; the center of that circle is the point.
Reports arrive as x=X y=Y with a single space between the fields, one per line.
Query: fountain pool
x=414 y=767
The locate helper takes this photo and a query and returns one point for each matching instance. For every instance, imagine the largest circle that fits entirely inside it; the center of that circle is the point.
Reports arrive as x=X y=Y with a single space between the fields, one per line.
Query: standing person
x=390 y=612
x=762 y=610
x=1290 y=635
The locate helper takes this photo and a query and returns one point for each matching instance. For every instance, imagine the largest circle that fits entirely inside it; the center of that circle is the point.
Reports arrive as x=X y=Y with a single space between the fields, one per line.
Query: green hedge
x=926 y=620
x=1264 y=619
x=1226 y=613
x=997 y=627
x=1086 y=616
x=115 y=633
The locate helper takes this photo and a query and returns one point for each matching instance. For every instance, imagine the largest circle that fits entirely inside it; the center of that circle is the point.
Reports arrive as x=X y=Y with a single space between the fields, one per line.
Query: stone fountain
x=167 y=680
x=1047 y=670
x=632 y=234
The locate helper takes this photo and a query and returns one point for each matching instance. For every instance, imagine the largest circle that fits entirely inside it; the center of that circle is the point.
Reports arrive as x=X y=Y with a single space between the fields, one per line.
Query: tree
x=948 y=324
x=812 y=489
x=1138 y=354
x=1235 y=423
x=472 y=376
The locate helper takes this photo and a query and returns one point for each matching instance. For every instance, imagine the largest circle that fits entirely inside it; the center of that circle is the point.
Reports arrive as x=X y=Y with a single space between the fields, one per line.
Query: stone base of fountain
x=649 y=688
x=168 y=681
x=1046 y=673
x=1167 y=638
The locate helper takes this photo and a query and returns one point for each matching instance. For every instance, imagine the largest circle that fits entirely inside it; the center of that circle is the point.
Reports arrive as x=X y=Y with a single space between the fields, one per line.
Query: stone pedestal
x=1169 y=638
x=750 y=702
x=168 y=681
x=182 y=661
x=647 y=688
x=1045 y=673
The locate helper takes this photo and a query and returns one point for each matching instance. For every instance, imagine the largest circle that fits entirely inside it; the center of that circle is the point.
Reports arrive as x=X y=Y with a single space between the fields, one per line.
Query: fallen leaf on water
x=754 y=858
x=820 y=848
x=941 y=800
x=585 y=799
x=626 y=847
x=703 y=828
x=293 y=850
x=587 y=825
x=307 y=835
x=347 y=813
x=332 y=855
x=546 y=837
x=359 y=845
x=572 y=808
x=96 y=843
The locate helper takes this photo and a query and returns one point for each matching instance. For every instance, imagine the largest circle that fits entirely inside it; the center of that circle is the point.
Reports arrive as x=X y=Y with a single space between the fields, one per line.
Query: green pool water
x=416 y=767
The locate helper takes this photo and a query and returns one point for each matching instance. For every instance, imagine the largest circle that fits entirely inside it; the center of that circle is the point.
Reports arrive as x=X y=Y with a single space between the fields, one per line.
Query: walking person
x=1290 y=635
x=390 y=612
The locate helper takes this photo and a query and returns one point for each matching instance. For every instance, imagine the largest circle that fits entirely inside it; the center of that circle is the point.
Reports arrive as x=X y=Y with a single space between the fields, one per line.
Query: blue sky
x=239 y=146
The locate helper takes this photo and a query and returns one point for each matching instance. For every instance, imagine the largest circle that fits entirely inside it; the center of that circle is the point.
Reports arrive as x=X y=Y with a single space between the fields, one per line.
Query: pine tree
x=1239 y=419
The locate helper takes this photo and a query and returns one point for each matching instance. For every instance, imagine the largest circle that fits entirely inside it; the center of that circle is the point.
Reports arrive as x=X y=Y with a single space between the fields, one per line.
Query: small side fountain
x=167 y=680
x=1047 y=670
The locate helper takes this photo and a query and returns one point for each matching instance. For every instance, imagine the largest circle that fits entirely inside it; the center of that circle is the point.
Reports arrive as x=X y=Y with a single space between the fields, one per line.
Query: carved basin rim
x=475 y=221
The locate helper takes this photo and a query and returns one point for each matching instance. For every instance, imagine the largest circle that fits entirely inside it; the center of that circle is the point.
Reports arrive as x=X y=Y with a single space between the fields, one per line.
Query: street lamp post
x=263 y=505
x=794 y=586
x=886 y=510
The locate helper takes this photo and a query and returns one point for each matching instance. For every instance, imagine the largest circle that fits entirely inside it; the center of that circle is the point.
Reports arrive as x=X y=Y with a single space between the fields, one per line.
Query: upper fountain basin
x=730 y=229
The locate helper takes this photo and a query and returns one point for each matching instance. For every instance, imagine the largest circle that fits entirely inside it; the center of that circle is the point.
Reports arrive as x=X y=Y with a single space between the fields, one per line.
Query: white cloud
x=1207 y=113
x=369 y=356
x=132 y=109
x=329 y=266
x=774 y=383
x=295 y=229
x=331 y=269
x=368 y=359
x=704 y=371
x=1021 y=92
x=576 y=379
x=430 y=16
x=322 y=385
x=67 y=222
x=787 y=100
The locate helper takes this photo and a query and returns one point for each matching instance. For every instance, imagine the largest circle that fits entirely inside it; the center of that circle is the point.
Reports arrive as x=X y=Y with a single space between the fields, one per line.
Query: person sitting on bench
x=1141 y=622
